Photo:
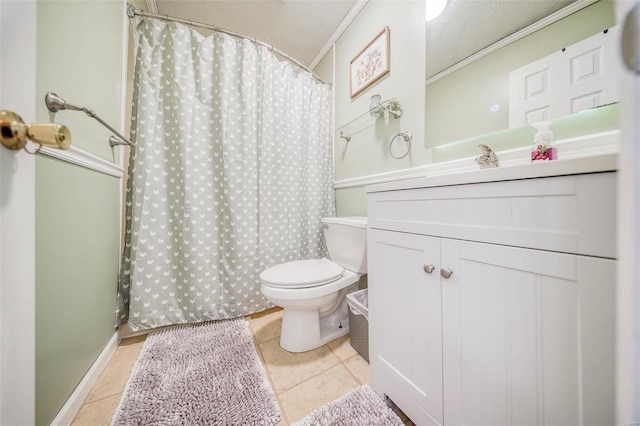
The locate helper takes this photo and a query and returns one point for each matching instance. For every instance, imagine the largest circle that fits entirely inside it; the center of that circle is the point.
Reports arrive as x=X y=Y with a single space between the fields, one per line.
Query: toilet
x=313 y=292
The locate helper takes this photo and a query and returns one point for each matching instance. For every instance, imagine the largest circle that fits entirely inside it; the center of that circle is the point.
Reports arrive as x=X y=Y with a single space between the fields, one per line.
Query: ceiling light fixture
x=434 y=8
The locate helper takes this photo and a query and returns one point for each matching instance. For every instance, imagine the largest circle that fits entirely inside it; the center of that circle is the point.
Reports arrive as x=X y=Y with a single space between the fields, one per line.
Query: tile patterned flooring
x=301 y=382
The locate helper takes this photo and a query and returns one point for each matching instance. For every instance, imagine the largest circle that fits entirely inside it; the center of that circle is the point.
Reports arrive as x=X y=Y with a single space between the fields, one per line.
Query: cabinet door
x=528 y=336
x=405 y=322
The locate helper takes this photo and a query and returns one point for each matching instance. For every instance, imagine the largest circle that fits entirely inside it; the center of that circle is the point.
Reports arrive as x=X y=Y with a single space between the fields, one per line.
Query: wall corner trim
x=83 y=158
x=342 y=26
x=152 y=5
x=71 y=408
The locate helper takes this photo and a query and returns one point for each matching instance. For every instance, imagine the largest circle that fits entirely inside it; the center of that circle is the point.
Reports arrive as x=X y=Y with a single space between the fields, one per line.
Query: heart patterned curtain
x=231 y=172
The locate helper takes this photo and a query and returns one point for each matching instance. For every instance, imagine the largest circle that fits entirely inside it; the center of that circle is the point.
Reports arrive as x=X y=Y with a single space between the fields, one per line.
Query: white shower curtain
x=231 y=172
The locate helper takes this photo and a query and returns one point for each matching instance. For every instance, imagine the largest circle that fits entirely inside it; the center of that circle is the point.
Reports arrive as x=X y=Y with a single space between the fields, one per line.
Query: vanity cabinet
x=405 y=321
x=493 y=303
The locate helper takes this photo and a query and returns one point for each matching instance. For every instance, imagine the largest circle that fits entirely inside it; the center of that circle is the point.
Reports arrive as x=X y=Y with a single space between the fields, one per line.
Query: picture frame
x=371 y=63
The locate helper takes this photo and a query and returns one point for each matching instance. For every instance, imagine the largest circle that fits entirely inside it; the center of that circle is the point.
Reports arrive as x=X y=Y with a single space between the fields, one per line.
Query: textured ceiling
x=302 y=27
x=298 y=28
x=467 y=26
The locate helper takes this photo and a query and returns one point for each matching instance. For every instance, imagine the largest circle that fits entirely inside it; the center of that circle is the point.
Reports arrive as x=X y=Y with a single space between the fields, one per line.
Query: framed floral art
x=371 y=63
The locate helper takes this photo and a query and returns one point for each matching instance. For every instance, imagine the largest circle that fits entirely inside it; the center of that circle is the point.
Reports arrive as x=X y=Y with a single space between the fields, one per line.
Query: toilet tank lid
x=358 y=221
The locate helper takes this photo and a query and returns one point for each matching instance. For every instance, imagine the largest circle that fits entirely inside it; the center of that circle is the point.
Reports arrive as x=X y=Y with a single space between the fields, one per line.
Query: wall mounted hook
x=346 y=136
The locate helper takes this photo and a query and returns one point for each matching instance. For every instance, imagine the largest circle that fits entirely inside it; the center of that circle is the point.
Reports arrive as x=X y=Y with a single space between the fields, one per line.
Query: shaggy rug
x=361 y=406
x=201 y=374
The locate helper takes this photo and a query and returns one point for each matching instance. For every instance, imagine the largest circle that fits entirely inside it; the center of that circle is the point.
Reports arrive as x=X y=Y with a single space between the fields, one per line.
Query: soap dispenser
x=544 y=148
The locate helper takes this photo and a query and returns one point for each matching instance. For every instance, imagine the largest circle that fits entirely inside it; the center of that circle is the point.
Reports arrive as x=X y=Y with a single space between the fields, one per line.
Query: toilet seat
x=302 y=274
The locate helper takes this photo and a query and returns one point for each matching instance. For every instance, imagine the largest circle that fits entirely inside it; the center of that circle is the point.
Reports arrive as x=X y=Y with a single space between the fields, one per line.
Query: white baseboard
x=70 y=409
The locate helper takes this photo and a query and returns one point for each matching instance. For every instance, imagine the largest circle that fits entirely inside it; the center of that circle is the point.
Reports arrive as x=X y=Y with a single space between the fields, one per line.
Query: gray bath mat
x=361 y=406
x=202 y=374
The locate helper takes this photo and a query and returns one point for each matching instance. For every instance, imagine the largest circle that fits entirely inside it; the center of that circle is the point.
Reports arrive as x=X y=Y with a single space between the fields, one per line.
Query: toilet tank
x=346 y=239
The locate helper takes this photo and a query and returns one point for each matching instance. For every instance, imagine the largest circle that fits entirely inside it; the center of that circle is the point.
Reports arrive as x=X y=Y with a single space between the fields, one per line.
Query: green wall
x=79 y=56
x=77 y=225
x=367 y=152
x=324 y=68
x=351 y=201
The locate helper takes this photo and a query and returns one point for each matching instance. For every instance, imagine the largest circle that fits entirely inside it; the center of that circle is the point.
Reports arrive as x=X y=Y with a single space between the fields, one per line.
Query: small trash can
x=358 y=302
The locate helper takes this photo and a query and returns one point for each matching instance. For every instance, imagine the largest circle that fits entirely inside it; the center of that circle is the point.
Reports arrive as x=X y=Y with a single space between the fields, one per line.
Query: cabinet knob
x=446 y=273
x=428 y=268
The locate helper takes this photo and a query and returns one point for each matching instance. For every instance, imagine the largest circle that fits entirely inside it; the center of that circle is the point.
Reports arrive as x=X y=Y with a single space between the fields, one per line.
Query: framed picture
x=371 y=63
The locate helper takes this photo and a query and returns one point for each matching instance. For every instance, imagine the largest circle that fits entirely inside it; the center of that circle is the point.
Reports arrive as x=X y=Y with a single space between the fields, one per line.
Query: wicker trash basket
x=359 y=322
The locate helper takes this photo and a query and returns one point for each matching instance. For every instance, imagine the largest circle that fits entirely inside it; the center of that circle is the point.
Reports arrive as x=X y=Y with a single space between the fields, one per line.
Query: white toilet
x=312 y=292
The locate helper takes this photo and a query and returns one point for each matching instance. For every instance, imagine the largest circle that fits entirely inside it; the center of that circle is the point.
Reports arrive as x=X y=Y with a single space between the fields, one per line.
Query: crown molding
x=342 y=26
x=152 y=5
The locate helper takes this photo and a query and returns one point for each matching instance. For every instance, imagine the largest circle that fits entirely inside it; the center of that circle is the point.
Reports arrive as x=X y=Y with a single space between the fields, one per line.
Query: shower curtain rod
x=132 y=11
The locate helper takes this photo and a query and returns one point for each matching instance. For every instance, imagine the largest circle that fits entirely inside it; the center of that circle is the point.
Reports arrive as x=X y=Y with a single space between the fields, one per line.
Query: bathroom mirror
x=477 y=88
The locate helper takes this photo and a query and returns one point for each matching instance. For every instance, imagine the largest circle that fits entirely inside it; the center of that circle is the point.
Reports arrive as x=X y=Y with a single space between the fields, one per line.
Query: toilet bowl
x=312 y=292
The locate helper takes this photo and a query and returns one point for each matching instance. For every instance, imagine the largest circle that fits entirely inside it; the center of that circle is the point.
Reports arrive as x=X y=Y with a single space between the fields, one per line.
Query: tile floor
x=301 y=382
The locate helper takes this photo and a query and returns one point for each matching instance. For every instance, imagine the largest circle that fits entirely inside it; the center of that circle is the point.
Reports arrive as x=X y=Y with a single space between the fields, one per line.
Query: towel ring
x=407 y=136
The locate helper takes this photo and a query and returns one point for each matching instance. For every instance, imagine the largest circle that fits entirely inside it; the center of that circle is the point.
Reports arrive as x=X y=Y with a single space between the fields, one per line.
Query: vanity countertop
x=579 y=165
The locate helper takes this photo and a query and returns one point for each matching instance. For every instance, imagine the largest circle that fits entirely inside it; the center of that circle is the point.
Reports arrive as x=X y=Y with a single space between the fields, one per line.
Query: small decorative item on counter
x=543 y=152
x=544 y=148
x=394 y=107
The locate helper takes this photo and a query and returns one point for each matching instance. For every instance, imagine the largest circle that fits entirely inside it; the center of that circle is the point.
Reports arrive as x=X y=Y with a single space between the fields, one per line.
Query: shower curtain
x=231 y=172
